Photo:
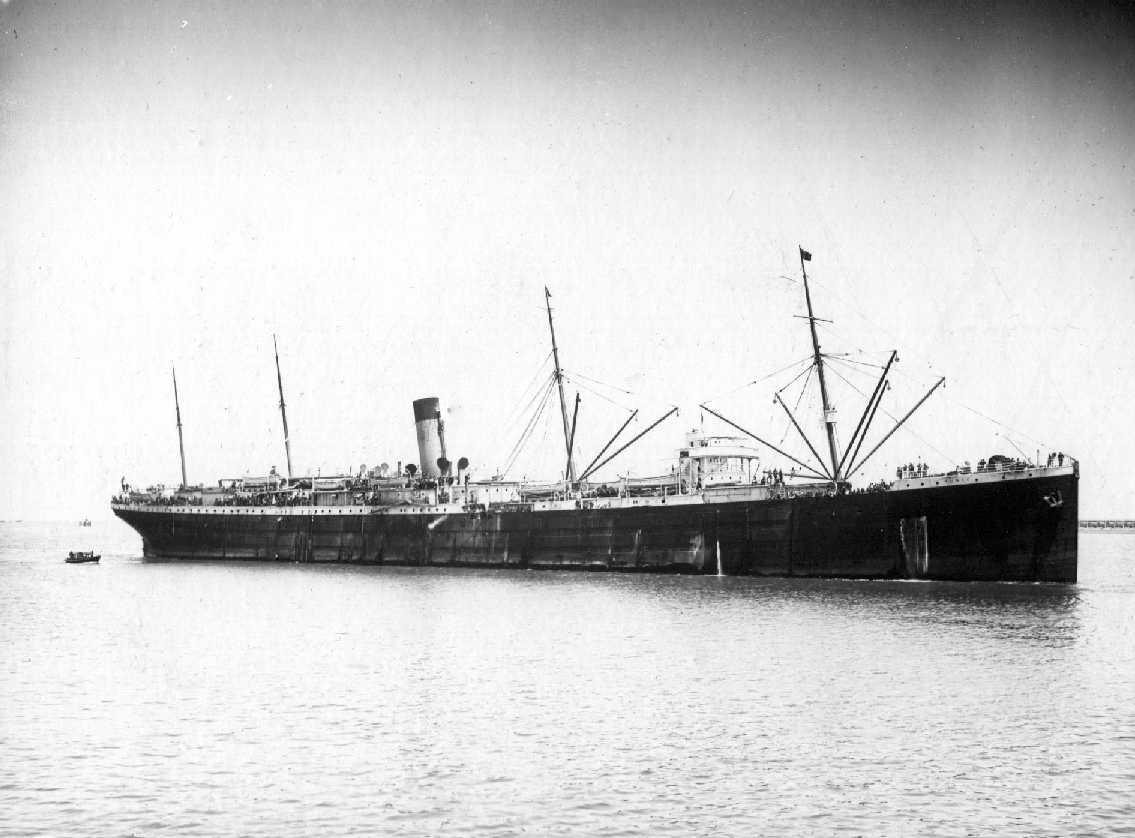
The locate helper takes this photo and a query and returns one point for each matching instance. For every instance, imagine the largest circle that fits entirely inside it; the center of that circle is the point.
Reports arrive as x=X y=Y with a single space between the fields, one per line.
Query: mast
x=283 y=411
x=829 y=422
x=180 y=441
x=560 y=384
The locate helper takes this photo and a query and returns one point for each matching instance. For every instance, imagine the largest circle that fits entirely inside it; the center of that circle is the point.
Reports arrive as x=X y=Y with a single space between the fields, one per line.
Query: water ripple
x=164 y=698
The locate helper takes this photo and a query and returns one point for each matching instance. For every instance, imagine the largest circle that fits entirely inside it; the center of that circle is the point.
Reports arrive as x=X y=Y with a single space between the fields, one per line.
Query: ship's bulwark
x=1019 y=530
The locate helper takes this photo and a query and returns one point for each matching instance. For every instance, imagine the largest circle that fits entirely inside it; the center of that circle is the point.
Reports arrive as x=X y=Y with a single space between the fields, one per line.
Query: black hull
x=991 y=531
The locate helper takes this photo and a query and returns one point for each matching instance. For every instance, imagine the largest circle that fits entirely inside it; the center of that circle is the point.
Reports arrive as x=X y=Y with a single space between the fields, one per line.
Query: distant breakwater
x=1108 y=524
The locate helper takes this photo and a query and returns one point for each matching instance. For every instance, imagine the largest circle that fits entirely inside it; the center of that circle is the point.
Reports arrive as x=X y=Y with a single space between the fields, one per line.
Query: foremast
x=829 y=414
x=180 y=441
x=283 y=410
x=570 y=472
x=839 y=474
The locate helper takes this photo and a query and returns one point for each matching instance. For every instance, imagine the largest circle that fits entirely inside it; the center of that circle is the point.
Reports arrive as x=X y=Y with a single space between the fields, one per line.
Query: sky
x=388 y=188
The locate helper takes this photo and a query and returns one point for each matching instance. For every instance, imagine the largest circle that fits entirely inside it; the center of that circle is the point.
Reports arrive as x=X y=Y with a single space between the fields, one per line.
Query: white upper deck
x=714 y=460
x=701 y=445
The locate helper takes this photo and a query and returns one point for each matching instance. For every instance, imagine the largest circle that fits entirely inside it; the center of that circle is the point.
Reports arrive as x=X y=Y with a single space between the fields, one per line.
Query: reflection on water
x=205 y=699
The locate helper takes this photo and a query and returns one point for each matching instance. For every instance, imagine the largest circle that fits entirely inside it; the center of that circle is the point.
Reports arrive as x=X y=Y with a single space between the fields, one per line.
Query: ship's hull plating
x=1019 y=530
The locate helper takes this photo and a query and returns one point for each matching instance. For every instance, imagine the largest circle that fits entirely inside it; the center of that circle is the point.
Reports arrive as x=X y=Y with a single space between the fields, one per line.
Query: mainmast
x=283 y=411
x=180 y=441
x=829 y=417
x=560 y=384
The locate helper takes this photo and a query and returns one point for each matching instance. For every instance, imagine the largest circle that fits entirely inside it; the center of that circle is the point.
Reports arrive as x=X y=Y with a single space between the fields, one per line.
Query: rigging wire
x=597 y=381
x=806 y=371
x=804 y=387
x=526 y=436
x=978 y=413
x=984 y=416
x=516 y=410
x=871 y=376
x=596 y=392
x=918 y=362
x=1023 y=454
x=850 y=303
x=530 y=427
x=907 y=428
x=830 y=288
x=549 y=381
x=799 y=398
x=1039 y=442
x=785 y=368
x=847 y=360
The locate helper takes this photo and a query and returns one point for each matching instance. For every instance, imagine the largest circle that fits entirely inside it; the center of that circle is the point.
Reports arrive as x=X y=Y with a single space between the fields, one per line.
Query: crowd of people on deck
x=877 y=486
x=997 y=462
x=775 y=476
x=272 y=499
x=152 y=499
x=239 y=499
x=912 y=470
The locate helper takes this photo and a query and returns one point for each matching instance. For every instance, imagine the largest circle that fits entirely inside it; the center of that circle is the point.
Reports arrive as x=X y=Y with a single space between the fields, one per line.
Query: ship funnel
x=427 y=422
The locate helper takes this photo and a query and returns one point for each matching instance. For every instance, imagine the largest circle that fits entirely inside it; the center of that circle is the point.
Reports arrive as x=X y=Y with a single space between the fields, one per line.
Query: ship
x=1009 y=519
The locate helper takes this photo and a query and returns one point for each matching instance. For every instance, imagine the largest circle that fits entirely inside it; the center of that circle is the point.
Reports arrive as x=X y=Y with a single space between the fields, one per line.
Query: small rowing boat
x=82 y=556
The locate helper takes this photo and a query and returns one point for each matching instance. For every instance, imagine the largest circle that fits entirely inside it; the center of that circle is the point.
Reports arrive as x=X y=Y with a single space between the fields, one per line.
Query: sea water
x=205 y=699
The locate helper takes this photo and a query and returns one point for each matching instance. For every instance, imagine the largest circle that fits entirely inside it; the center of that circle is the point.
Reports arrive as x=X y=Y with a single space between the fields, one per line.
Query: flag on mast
x=805 y=255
